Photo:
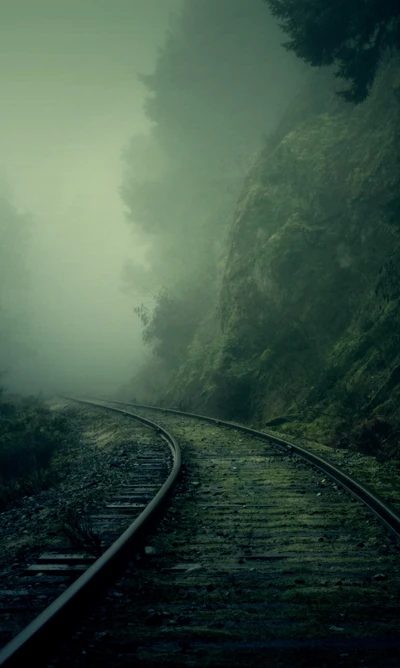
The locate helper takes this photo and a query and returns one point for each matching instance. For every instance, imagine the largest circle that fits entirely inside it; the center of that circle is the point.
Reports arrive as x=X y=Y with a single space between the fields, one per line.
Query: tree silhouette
x=353 y=35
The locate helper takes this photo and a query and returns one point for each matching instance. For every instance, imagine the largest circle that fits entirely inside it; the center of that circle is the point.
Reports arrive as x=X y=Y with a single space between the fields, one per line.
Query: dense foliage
x=354 y=35
x=309 y=306
x=29 y=435
x=14 y=236
x=213 y=95
x=288 y=314
x=171 y=325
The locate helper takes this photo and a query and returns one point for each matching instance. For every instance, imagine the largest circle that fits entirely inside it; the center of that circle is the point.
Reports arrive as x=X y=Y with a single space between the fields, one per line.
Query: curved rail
x=38 y=638
x=382 y=510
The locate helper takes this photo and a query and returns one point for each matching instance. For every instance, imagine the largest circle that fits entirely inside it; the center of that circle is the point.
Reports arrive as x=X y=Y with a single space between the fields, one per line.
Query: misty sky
x=70 y=100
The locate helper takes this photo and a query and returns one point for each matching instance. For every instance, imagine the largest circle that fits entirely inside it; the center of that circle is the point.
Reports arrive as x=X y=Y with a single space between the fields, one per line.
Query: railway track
x=108 y=539
x=261 y=558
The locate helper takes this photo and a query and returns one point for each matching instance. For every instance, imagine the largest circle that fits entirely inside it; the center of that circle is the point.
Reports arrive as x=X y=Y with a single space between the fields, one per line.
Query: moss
x=301 y=317
x=307 y=320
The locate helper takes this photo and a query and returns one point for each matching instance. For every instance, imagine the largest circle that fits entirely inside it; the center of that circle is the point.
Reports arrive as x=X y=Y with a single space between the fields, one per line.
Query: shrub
x=29 y=435
x=375 y=436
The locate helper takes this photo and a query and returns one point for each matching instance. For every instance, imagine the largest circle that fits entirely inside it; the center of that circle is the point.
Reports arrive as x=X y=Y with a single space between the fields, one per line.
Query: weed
x=29 y=436
x=77 y=526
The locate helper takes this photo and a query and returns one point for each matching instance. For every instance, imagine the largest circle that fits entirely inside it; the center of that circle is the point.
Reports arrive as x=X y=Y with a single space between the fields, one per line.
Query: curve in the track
x=37 y=639
x=384 y=511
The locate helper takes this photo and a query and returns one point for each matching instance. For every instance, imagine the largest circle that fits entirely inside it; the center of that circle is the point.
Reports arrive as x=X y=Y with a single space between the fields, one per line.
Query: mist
x=171 y=185
x=71 y=99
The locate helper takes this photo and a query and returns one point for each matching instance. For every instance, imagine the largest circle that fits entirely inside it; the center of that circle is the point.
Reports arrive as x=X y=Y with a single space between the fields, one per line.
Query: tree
x=14 y=236
x=219 y=85
x=170 y=327
x=353 y=35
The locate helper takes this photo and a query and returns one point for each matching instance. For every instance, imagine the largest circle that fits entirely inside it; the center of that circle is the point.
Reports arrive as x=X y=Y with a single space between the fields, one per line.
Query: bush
x=375 y=436
x=29 y=435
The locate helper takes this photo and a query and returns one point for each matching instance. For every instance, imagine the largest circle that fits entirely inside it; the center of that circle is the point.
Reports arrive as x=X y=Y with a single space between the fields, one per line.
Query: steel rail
x=37 y=640
x=383 y=511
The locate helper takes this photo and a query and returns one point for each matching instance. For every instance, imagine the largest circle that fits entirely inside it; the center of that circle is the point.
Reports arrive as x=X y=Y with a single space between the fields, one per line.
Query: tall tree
x=13 y=283
x=353 y=35
x=217 y=89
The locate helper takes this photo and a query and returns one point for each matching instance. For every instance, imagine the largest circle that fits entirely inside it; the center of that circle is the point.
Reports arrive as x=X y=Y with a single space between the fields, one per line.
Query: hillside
x=307 y=324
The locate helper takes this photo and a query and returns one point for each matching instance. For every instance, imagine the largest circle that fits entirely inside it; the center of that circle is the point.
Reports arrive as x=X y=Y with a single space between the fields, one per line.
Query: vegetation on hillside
x=309 y=302
x=352 y=35
x=301 y=327
x=212 y=96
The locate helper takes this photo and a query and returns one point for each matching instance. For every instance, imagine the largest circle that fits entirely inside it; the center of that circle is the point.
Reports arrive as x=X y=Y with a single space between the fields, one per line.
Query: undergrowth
x=77 y=526
x=29 y=436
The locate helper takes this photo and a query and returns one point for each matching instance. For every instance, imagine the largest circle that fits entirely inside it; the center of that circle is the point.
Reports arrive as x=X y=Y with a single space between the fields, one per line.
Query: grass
x=77 y=526
x=30 y=434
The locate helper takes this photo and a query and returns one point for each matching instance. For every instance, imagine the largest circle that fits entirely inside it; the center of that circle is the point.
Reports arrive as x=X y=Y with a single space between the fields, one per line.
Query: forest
x=200 y=333
x=265 y=192
x=277 y=263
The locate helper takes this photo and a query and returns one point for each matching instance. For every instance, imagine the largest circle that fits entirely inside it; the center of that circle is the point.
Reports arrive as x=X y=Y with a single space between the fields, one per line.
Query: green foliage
x=215 y=81
x=307 y=317
x=171 y=325
x=14 y=237
x=212 y=96
x=388 y=284
x=309 y=323
x=29 y=436
x=351 y=34
x=375 y=436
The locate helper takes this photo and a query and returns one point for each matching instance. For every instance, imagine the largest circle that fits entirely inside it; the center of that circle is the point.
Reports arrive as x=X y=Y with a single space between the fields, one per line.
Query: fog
x=127 y=132
x=70 y=101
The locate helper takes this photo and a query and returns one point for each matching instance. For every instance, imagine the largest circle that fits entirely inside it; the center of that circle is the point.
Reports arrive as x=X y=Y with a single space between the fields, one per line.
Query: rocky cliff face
x=308 y=310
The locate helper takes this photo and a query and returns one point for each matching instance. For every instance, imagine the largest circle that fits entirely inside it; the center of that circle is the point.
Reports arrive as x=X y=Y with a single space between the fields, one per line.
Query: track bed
x=260 y=560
